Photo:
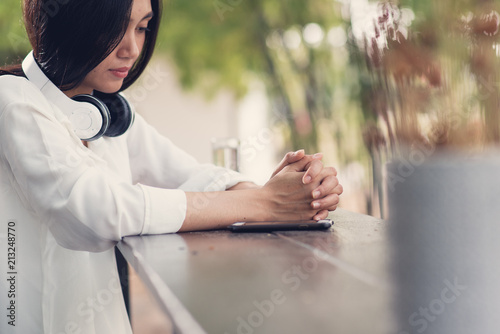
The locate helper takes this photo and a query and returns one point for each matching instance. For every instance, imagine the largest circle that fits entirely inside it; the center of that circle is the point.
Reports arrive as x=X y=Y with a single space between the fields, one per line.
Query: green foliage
x=228 y=43
x=223 y=43
x=228 y=36
x=13 y=43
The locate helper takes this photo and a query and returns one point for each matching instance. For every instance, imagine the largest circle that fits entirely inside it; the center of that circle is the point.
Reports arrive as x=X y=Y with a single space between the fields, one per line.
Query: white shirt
x=68 y=206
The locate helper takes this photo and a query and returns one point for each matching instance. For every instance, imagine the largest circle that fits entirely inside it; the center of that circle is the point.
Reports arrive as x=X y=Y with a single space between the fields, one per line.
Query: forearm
x=244 y=185
x=215 y=210
x=286 y=196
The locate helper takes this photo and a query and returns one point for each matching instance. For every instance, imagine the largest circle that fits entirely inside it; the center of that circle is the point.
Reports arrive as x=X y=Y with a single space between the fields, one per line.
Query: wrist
x=258 y=203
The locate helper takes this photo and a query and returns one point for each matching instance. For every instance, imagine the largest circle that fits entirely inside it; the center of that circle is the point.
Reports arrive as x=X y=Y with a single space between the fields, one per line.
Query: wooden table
x=306 y=282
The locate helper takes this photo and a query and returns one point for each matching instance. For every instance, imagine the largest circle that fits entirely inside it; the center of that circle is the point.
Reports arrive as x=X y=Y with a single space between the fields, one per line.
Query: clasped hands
x=302 y=188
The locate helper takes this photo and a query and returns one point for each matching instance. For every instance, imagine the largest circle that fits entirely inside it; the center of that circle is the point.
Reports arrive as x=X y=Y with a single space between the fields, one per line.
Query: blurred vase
x=444 y=216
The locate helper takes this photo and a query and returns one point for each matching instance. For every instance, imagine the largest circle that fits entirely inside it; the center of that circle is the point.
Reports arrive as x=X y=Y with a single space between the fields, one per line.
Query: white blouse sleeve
x=157 y=162
x=85 y=206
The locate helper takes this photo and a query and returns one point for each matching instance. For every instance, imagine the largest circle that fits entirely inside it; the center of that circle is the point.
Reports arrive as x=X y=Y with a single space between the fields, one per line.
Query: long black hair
x=70 y=38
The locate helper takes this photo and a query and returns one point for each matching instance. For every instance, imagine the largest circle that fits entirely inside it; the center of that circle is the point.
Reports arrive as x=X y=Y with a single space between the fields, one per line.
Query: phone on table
x=291 y=225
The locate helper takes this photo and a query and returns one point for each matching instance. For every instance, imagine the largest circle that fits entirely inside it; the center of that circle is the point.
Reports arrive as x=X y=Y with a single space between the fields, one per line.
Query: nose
x=128 y=47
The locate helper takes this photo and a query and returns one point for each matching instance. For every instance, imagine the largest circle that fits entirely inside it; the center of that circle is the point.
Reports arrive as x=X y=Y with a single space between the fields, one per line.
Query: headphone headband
x=88 y=115
x=86 y=119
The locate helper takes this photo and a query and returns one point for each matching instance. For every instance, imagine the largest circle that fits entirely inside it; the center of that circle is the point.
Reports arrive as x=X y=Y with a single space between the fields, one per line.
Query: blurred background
x=277 y=75
x=362 y=81
x=354 y=79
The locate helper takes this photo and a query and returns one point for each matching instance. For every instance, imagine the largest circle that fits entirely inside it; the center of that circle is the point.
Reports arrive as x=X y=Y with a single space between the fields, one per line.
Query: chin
x=109 y=89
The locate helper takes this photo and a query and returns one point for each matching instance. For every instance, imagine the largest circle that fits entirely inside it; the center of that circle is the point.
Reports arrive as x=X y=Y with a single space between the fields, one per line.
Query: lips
x=121 y=72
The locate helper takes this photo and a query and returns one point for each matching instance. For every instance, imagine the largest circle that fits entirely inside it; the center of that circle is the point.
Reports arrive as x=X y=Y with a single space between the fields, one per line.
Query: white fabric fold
x=72 y=204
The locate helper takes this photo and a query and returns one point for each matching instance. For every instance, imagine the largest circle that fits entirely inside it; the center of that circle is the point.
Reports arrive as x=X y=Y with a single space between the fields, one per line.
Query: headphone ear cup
x=121 y=114
x=81 y=124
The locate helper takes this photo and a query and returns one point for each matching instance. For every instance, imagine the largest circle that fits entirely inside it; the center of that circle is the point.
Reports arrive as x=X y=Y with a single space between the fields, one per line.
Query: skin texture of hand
x=287 y=197
x=325 y=197
x=292 y=157
x=300 y=188
x=320 y=181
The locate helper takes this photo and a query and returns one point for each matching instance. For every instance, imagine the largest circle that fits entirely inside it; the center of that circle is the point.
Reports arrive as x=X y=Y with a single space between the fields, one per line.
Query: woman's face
x=108 y=76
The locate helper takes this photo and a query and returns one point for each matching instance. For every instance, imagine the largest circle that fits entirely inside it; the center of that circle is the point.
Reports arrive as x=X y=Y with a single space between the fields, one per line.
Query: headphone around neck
x=91 y=116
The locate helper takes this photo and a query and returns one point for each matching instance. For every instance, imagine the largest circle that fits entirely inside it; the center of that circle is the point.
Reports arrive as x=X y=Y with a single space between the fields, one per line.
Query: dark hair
x=71 y=37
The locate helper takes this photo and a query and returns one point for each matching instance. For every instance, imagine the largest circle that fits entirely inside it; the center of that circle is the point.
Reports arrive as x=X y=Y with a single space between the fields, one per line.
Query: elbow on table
x=89 y=242
x=75 y=235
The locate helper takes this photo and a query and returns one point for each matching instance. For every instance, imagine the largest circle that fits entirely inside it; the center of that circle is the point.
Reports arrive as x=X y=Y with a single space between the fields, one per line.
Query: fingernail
x=297 y=152
x=316 y=193
x=307 y=179
x=316 y=205
x=318 y=156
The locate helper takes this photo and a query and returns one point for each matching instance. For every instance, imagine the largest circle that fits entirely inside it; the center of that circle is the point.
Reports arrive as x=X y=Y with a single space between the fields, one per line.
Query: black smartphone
x=291 y=225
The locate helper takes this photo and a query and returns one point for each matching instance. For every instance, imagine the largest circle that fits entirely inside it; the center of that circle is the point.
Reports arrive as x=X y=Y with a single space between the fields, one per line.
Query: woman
x=67 y=196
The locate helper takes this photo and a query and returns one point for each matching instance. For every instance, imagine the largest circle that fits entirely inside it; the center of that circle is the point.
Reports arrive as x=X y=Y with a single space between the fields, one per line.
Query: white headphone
x=91 y=117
